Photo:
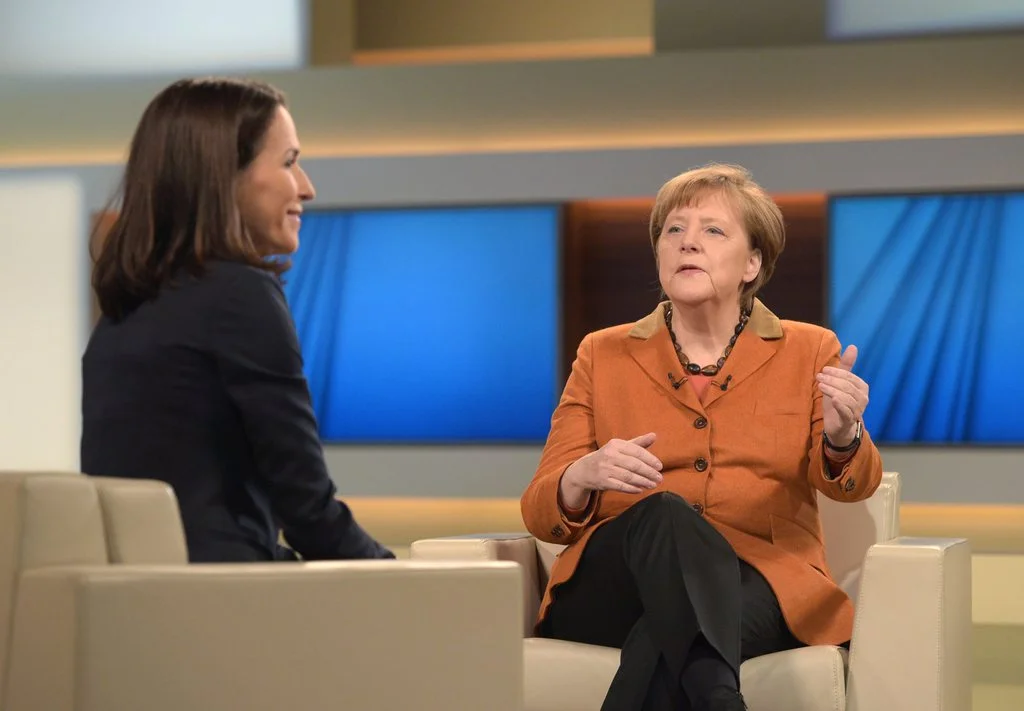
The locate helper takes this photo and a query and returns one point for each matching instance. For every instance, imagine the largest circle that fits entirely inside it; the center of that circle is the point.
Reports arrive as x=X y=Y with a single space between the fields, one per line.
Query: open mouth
x=689 y=269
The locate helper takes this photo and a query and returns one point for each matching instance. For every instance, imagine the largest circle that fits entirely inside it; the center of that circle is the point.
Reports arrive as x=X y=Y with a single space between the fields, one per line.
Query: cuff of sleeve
x=574 y=519
x=836 y=471
x=836 y=461
x=574 y=513
x=577 y=518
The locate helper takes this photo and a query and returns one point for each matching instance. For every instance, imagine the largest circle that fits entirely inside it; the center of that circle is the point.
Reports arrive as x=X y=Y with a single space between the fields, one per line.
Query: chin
x=689 y=295
x=285 y=247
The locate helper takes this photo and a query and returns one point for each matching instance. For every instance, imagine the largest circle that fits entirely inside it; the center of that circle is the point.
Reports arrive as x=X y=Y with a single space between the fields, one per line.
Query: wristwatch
x=852 y=445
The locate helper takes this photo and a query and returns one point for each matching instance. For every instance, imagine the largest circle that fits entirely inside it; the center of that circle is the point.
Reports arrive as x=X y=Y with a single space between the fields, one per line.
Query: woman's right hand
x=620 y=465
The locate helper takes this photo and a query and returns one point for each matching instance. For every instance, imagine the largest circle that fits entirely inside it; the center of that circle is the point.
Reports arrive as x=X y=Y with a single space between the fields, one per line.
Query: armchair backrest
x=142 y=522
x=849 y=530
x=62 y=518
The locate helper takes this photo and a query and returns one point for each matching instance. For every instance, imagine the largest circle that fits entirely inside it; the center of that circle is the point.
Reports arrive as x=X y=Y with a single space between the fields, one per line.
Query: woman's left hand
x=844 y=398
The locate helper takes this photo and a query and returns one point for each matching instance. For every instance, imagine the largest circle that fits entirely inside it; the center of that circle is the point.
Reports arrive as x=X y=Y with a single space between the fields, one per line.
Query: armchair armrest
x=516 y=547
x=911 y=646
x=368 y=635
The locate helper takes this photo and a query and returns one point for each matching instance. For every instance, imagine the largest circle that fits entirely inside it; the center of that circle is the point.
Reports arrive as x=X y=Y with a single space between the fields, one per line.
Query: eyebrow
x=703 y=220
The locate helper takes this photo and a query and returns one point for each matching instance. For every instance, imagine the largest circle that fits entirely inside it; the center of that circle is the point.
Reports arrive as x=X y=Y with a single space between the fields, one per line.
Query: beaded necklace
x=693 y=368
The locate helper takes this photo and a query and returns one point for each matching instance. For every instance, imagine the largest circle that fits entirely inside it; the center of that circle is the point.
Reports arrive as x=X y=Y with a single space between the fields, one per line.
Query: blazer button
x=558 y=531
x=849 y=485
x=699 y=508
x=700 y=423
x=701 y=464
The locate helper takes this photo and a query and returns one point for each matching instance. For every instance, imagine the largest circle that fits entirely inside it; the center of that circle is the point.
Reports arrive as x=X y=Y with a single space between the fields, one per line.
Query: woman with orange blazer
x=684 y=460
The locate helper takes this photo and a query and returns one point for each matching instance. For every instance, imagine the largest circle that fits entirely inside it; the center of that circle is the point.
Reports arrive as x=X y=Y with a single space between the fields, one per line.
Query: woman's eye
x=675 y=228
x=715 y=231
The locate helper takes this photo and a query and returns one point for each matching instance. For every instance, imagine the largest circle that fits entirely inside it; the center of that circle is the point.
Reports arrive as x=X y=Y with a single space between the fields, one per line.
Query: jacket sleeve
x=855 y=479
x=571 y=437
x=260 y=364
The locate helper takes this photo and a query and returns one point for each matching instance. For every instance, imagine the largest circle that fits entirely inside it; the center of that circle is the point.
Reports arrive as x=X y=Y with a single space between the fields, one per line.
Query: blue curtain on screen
x=429 y=325
x=930 y=289
x=319 y=264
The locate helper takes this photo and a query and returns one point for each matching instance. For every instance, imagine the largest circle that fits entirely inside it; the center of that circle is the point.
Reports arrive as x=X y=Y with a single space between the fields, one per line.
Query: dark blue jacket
x=203 y=388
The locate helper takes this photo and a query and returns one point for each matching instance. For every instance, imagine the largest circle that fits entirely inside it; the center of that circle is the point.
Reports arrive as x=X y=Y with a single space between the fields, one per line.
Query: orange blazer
x=749 y=458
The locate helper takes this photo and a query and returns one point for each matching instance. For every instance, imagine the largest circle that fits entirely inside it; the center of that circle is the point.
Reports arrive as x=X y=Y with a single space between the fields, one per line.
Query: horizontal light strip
x=509 y=52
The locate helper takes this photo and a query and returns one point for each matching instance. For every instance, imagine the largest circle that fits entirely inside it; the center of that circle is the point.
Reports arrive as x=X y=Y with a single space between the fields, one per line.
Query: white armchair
x=911 y=642
x=99 y=610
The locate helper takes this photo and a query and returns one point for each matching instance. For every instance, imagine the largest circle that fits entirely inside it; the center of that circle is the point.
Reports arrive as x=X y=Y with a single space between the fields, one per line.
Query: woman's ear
x=753 y=266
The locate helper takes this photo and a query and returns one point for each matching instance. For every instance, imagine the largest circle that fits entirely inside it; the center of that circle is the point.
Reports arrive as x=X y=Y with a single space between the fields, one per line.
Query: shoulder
x=612 y=334
x=249 y=313
x=808 y=338
x=248 y=304
x=239 y=275
x=237 y=286
x=608 y=341
x=617 y=336
x=793 y=335
x=803 y=332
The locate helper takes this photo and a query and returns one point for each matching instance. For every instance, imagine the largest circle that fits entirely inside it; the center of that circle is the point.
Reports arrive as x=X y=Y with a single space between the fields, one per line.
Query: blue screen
x=429 y=325
x=930 y=289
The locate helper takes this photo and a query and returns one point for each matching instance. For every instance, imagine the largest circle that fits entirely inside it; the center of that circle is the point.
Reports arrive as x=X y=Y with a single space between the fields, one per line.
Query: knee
x=665 y=504
x=662 y=514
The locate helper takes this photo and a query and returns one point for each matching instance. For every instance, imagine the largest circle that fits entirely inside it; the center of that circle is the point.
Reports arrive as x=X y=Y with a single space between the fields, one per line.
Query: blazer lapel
x=651 y=347
x=758 y=344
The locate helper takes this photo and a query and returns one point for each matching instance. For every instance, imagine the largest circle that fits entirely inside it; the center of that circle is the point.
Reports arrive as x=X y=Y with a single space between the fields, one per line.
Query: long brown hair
x=177 y=195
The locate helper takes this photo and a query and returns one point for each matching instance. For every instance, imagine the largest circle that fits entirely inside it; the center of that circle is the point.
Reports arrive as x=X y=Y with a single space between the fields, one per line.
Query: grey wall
x=741 y=96
x=940 y=475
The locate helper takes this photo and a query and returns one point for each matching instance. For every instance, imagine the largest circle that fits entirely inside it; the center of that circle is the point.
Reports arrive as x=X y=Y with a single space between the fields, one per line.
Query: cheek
x=246 y=203
x=662 y=256
x=252 y=203
x=264 y=208
x=663 y=267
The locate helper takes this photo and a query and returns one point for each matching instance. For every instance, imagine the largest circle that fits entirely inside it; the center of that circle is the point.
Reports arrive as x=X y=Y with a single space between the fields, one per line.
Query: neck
x=704 y=331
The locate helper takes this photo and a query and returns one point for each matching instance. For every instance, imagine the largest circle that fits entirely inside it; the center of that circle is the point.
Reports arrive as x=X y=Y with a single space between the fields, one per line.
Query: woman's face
x=272 y=189
x=704 y=253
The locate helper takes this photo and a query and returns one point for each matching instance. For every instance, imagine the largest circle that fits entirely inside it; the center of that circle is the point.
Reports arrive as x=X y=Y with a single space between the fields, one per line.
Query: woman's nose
x=306 y=189
x=688 y=244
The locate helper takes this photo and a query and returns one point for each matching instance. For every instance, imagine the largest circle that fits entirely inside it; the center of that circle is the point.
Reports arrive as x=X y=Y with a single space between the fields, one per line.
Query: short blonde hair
x=761 y=217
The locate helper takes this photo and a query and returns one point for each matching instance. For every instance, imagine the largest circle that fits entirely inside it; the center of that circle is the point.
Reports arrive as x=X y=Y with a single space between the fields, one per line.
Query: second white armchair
x=911 y=647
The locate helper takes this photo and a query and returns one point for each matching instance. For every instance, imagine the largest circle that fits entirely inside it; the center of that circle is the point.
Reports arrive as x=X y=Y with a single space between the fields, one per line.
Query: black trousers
x=661 y=584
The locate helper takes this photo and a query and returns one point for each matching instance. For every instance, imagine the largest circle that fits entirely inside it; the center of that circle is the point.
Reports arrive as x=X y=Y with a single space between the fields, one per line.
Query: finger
x=645 y=440
x=848 y=358
x=857 y=390
x=637 y=467
x=848 y=394
x=844 y=381
x=847 y=406
x=632 y=451
x=619 y=485
x=633 y=479
x=845 y=375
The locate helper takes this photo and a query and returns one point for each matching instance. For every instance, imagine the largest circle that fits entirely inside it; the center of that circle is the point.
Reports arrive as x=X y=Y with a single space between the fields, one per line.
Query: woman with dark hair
x=193 y=374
